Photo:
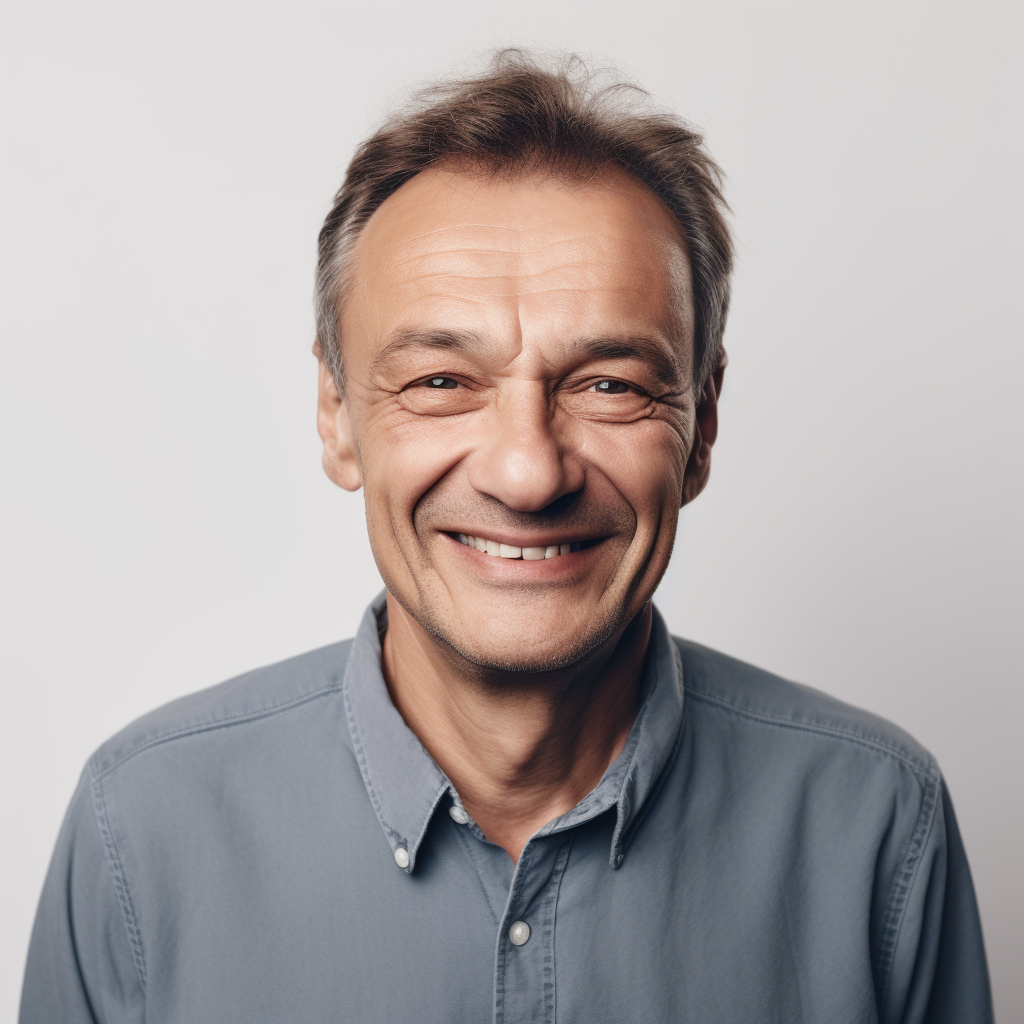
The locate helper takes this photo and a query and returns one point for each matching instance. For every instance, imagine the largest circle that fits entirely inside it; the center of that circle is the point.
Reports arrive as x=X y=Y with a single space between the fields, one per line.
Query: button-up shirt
x=282 y=848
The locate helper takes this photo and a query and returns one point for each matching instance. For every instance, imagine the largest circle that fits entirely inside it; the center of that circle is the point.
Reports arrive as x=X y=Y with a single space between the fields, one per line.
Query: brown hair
x=519 y=115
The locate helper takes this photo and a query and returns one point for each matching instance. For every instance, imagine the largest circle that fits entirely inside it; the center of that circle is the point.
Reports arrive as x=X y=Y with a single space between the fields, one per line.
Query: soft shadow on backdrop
x=165 y=523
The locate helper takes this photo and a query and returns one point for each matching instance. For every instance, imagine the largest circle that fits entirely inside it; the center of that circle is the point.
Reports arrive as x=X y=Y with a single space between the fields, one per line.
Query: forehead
x=531 y=257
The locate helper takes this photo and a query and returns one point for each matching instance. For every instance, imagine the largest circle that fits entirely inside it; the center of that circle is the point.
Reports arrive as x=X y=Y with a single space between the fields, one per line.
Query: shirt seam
x=512 y=910
x=925 y=769
x=124 y=897
x=218 y=723
x=640 y=814
x=426 y=821
x=553 y=1016
x=620 y=819
x=902 y=886
x=903 y=883
x=364 y=769
x=629 y=830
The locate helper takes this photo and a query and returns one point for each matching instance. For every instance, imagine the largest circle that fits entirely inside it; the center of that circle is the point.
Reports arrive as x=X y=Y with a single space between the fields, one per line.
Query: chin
x=524 y=644
x=511 y=659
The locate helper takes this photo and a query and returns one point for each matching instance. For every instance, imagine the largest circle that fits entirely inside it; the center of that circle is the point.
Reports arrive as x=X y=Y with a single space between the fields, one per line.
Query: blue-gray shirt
x=281 y=848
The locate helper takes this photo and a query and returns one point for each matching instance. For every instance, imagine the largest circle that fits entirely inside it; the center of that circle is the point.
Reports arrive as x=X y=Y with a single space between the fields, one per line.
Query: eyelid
x=584 y=383
x=432 y=376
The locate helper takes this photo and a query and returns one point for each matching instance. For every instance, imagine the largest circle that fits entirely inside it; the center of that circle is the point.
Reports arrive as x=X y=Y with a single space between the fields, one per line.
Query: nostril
x=561 y=505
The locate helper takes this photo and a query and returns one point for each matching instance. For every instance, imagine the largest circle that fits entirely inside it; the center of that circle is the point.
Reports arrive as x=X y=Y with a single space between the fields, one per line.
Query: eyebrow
x=649 y=350
x=407 y=338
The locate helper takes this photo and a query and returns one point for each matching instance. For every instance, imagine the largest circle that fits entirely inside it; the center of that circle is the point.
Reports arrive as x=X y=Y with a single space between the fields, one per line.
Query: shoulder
x=794 y=714
x=268 y=691
x=832 y=799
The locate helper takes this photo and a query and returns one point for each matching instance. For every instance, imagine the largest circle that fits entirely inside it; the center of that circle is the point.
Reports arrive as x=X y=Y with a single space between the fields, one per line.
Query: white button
x=402 y=858
x=458 y=814
x=519 y=933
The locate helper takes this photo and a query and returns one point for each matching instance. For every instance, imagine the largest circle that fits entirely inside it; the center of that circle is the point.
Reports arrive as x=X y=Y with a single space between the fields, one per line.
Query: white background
x=166 y=524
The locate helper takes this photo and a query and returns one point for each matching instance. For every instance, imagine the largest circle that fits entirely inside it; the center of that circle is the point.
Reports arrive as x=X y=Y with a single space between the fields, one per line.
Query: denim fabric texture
x=281 y=848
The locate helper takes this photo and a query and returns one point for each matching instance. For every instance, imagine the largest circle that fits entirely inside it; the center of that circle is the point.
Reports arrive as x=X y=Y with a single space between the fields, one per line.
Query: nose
x=524 y=460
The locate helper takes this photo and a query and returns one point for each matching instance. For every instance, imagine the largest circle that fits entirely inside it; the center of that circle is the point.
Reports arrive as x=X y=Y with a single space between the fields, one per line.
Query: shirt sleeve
x=81 y=967
x=939 y=973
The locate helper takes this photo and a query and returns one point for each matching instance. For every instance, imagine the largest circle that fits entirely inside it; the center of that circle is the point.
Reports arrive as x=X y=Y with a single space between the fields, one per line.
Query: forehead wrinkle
x=593 y=243
x=513 y=254
x=431 y=262
x=539 y=290
x=468 y=183
x=515 y=230
x=591 y=274
x=426 y=245
x=489 y=227
x=597 y=268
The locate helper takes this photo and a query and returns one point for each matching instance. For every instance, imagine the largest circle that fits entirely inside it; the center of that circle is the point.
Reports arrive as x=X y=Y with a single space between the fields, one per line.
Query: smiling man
x=514 y=796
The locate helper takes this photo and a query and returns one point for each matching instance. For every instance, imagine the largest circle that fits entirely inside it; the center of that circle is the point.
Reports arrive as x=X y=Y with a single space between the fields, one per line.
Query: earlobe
x=340 y=458
x=698 y=469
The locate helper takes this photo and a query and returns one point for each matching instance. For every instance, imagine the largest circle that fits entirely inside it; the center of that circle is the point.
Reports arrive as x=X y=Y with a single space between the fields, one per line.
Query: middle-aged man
x=514 y=796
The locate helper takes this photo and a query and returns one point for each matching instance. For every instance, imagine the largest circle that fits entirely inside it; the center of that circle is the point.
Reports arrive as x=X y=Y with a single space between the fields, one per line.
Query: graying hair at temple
x=527 y=112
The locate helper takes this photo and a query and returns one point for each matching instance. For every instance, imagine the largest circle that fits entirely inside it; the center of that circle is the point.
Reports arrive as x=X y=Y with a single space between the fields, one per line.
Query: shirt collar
x=405 y=784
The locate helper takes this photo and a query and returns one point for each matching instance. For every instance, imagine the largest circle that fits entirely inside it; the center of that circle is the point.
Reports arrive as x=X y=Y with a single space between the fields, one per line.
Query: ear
x=698 y=467
x=341 y=458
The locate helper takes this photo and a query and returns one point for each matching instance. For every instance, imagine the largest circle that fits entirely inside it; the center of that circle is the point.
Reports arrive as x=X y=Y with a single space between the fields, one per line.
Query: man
x=514 y=796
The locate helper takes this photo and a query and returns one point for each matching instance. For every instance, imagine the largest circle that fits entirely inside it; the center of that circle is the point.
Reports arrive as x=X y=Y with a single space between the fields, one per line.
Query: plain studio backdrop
x=166 y=523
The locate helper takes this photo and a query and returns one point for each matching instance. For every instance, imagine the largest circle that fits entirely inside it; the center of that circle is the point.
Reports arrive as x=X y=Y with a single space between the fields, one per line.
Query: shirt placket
x=524 y=966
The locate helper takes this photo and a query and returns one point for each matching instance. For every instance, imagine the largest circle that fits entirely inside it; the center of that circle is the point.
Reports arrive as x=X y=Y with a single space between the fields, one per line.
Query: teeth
x=493 y=547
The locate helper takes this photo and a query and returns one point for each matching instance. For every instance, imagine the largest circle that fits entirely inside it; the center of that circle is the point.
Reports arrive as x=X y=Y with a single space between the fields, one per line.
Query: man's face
x=518 y=363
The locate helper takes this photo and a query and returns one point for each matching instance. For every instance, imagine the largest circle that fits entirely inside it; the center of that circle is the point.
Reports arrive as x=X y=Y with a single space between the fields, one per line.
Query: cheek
x=645 y=463
x=403 y=455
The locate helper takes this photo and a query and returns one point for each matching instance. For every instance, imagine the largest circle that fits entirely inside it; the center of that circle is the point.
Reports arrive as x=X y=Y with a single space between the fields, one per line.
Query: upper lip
x=522 y=540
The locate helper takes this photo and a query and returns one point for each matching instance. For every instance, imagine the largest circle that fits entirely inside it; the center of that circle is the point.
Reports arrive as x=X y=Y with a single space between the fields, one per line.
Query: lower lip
x=522 y=569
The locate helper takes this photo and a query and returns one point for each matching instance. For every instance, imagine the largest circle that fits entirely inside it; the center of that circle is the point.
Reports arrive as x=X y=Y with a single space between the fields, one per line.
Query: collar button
x=458 y=814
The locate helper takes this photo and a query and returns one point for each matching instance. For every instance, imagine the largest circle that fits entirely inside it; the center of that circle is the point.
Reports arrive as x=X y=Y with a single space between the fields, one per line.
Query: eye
x=441 y=395
x=606 y=399
x=610 y=387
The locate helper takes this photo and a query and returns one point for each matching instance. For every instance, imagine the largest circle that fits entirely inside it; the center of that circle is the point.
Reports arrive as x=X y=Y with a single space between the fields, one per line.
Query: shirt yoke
x=708 y=676
x=254 y=695
x=760 y=696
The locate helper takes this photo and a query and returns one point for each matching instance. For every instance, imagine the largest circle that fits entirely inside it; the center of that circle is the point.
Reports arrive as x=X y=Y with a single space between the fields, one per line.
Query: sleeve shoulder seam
x=120 y=883
x=902 y=886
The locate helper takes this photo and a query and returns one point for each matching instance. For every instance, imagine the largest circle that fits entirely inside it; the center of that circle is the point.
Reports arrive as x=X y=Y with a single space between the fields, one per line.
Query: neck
x=524 y=750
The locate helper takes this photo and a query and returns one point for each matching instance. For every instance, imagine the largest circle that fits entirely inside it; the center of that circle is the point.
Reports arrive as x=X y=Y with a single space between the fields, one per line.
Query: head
x=521 y=293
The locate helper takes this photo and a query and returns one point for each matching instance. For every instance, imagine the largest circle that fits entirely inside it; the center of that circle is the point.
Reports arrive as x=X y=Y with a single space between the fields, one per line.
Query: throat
x=519 y=756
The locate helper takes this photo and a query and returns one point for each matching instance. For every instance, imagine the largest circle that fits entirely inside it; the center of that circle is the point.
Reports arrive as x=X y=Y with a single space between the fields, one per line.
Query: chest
x=327 y=928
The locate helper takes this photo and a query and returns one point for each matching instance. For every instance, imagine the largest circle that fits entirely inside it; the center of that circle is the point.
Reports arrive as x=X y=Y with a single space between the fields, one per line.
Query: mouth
x=528 y=554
